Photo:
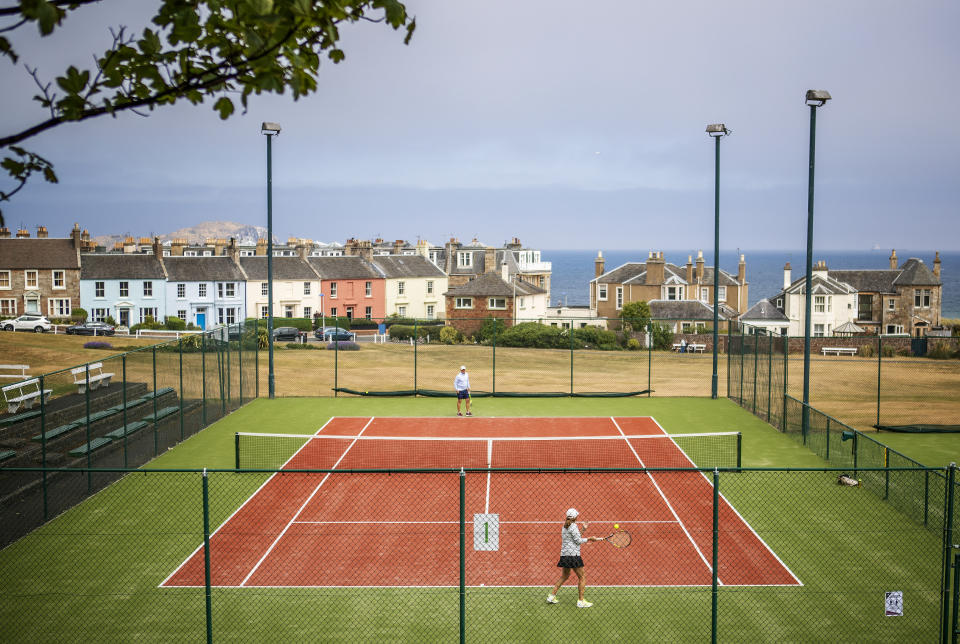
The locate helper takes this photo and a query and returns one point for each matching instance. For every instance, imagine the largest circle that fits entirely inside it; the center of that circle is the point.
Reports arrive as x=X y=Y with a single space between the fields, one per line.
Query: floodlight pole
x=717 y=131
x=270 y=130
x=815 y=99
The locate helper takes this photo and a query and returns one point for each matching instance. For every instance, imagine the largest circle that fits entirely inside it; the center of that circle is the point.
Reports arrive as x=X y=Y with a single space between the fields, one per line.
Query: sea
x=573 y=269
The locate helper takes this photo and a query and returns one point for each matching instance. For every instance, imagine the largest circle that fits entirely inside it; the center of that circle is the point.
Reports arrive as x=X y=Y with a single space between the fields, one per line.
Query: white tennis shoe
x=552 y=599
x=583 y=604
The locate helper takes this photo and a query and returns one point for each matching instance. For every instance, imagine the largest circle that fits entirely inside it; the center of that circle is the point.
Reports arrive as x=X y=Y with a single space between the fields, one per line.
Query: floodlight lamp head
x=817 y=97
x=717 y=130
x=270 y=129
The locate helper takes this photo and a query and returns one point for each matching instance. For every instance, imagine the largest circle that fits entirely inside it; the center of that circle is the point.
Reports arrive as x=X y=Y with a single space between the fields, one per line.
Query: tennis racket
x=619 y=539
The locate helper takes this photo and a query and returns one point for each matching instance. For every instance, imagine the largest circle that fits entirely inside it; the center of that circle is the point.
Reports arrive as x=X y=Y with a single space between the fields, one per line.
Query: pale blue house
x=205 y=291
x=127 y=287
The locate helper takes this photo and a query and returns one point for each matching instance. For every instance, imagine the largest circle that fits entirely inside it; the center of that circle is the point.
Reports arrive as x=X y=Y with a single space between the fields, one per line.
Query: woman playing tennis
x=570 y=542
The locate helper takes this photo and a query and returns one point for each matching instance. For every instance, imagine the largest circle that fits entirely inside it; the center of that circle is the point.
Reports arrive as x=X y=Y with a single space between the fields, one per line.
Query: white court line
x=249 y=498
x=664 y=497
x=458 y=523
x=735 y=511
x=488 y=586
x=305 y=503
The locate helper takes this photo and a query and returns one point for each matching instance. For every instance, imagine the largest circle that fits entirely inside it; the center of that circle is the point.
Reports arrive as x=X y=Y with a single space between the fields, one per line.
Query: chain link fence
x=117 y=412
x=445 y=555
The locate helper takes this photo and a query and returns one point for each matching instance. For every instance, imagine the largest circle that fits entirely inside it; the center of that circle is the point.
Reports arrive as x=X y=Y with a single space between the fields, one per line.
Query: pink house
x=351 y=286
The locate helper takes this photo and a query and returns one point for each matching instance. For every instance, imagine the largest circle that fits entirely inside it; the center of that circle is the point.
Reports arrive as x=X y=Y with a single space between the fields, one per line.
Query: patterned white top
x=570 y=541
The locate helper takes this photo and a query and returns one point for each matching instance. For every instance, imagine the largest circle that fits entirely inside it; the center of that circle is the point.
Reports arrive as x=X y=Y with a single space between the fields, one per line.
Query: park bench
x=25 y=393
x=57 y=432
x=7 y=421
x=699 y=348
x=839 y=351
x=92 y=446
x=7 y=454
x=15 y=371
x=161 y=413
x=97 y=377
x=130 y=428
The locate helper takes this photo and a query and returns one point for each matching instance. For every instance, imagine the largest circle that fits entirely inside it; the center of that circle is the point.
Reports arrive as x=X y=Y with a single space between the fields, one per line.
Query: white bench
x=699 y=348
x=97 y=377
x=19 y=371
x=839 y=351
x=25 y=393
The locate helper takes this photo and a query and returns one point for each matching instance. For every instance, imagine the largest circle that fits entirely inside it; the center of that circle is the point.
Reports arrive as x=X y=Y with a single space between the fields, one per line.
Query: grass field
x=93 y=573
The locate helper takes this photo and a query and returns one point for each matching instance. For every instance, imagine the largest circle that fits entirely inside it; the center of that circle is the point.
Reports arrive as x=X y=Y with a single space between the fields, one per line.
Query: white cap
x=572 y=513
x=462 y=368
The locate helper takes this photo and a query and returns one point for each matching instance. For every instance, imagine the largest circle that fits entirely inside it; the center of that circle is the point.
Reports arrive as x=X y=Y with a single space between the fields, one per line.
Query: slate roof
x=100 y=266
x=684 y=310
x=868 y=281
x=764 y=310
x=636 y=273
x=486 y=284
x=32 y=253
x=284 y=268
x=526 y=288
x=820 y=284
x=396 y=266
x=202 y=269
x=915 y=273
x=345 y=267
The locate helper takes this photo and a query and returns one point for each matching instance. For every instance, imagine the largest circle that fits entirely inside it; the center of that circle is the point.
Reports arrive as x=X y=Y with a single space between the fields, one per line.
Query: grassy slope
x=93 y=572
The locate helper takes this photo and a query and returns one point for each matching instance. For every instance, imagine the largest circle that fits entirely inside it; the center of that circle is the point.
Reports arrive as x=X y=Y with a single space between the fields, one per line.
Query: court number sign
x=893 y=603
x=486 y=531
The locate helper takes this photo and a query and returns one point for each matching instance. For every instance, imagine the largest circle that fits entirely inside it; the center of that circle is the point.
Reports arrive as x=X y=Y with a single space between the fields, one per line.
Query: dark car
x=332 y=333
x=90 y=328
x=289 y=333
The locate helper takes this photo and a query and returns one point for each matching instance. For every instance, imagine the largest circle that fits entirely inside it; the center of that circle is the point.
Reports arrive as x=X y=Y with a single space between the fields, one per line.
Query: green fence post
x=742 y=352
x=856 y=439
x=156 y=423
x=571 y=356
x=769 y=375
x=756 y=368
x=879 y=363
x=229 y=397
x=416 y=337
x=649 y=358
x=729 y=352
x=956 y=596
x=716 y=550
x=236 y=450
x=203 y=379
x=206 y=557
x=123 y=367
x=886 y=472
x=786 y=375
x=828 y=439
x=463 y=555
x=180 y=359
x=221 y=370
x=494 y=357
x=336 y=366
x=256 y=362
x=926 y=495
x=43 y=446
x=240 y=362
x=947 y=546
x=89 y=451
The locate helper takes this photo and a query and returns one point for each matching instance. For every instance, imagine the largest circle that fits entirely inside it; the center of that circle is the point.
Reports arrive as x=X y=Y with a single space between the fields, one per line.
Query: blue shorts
x=463 y=394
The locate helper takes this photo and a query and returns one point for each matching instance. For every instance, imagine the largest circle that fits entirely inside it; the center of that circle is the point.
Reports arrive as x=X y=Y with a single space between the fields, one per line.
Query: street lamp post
x=717 y=131
x=815 y=98
x=270 y=130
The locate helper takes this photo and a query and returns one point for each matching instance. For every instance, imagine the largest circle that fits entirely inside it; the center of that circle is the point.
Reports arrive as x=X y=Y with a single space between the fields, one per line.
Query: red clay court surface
x=402 y=530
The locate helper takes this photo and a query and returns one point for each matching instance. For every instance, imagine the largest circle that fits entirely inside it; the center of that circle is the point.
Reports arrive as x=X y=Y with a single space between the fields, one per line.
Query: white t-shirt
x=461 y=382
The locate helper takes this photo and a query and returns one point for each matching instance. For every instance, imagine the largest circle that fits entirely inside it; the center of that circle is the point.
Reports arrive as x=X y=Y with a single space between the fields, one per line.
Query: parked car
x=35 y=323
x=332 y=333
x=290 y=333
x=91 y=328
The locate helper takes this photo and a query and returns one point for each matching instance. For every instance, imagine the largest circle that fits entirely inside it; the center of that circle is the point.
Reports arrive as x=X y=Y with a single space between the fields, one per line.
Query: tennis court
x=372 y=529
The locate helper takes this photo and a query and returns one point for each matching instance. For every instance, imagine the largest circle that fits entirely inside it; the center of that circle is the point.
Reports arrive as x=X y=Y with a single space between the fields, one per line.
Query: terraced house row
x=223 y=282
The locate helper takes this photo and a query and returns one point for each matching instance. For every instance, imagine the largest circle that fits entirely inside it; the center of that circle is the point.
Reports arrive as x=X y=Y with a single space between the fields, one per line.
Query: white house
x=414 y=286
x=296 y=287
x=834 y=302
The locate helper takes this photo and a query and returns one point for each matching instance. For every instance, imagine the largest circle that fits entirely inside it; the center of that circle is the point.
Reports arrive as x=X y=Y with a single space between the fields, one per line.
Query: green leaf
x=225 y=106
x=7 y=50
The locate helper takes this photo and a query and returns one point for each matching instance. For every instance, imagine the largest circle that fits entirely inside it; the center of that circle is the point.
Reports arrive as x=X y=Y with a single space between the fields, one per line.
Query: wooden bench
x=839 y=351
x=16 y=371
x=97 y=377
x=25 y=393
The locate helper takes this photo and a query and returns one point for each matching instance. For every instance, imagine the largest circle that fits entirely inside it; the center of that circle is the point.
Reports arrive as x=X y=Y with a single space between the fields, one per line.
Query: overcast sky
x=566 y=124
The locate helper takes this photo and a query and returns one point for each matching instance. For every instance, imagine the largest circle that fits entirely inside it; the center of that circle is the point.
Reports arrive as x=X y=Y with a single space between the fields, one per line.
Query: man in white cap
x=570 y=542
x=462 y=384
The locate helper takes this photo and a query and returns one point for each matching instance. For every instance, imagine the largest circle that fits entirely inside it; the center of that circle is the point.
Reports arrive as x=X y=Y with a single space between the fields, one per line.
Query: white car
x=35 y=323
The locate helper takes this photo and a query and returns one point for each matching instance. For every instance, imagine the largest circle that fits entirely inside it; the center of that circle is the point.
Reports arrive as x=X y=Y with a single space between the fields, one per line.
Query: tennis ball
x=616 y=526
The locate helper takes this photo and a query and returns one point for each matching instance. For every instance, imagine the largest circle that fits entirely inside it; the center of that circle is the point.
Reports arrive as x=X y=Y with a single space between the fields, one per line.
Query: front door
x=202 y=320
x=350 y=312
x=124 y=315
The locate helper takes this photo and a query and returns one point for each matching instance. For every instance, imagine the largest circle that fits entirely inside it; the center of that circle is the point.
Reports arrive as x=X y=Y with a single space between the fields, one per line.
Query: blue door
x=202 y=320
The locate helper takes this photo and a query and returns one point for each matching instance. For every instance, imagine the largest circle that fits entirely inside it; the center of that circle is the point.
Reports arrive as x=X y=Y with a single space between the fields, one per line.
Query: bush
x=109 y=320
x=78 y=314
x=633 y=344
x=175 y=324
x=943 y=351
x=300 y=346
x=97 y=345
x=490 y=329
x=595 y=337
x=535 y=335
x=343 y=345
x=300 y=324
x=866 y=351
x=662 y=337
x=450 y=335
x=888 y=351
x=405 y=332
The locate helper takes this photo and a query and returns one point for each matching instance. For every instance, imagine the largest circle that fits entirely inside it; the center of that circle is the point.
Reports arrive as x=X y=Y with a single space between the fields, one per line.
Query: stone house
x=657 y=279
x=489 y=295
x=40 y=274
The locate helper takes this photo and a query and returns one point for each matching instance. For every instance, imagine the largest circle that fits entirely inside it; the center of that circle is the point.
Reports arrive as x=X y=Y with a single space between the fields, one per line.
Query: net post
x=856 y=438
x=739 y=449
x=716 y=550
x=236 y=450
x=43 y=447
x=463 y=555
x=206 y=558
x=886 y=473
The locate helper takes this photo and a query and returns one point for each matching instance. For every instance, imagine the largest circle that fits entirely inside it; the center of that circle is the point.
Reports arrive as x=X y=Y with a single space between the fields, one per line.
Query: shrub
x=450 y=335
x=78 y=314
x=343 y=345
x=535 y=335
x=109 y=320
x=595 y=337
x=490 y=329
x=633 y=344
x=942 y=351
x=866 y=351
x=635 y=316
x=97 y=345
x=662 y=337
x=175 y=324
x=888 y=351
x=300 y=346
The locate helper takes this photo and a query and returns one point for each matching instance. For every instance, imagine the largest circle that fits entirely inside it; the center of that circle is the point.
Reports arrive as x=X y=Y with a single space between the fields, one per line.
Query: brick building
x=487 y=296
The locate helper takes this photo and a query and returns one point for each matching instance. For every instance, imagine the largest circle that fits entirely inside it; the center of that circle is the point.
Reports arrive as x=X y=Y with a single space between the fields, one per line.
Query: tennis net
x=328 y=451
